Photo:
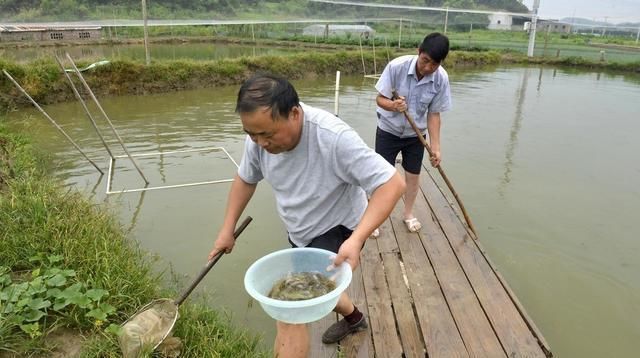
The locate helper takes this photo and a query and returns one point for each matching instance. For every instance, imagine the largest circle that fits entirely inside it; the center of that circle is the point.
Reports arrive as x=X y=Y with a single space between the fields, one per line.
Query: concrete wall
x=552 y=26
x=338 y=30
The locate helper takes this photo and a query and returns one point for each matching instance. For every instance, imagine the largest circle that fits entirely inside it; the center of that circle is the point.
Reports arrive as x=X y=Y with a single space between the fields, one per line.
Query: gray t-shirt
x=431 y=94
x=321 y=183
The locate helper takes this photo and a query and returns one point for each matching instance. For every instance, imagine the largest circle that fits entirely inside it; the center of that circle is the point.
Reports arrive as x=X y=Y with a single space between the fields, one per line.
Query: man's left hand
x=435 y=159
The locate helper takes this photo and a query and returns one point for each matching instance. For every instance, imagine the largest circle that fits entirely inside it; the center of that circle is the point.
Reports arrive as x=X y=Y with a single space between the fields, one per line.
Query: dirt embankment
x=46 y=84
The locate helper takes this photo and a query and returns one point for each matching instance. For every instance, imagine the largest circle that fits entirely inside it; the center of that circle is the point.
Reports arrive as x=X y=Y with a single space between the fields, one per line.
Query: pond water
x=135 y=52
x=545 y=160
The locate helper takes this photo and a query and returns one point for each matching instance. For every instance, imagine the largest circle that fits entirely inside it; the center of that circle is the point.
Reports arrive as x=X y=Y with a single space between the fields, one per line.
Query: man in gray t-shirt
x=321 y=173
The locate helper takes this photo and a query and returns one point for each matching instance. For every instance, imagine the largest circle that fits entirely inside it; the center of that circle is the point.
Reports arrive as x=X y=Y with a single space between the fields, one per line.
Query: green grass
x=44 y=228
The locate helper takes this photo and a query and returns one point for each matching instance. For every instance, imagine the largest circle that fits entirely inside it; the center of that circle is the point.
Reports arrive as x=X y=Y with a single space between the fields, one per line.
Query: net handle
x=210 y=263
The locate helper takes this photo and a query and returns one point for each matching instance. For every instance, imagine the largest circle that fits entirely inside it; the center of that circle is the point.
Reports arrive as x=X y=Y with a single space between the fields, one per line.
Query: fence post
x=446 y=19
x=147 y=56
x=400 y=34
x=532 y=29
x=546 y=40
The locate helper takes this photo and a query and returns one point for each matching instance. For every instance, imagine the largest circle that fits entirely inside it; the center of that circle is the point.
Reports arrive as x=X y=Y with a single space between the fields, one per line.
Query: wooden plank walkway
x=432 y=294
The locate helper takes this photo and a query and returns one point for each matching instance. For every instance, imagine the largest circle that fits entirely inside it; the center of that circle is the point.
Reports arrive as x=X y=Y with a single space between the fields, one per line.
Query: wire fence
x=467 y=31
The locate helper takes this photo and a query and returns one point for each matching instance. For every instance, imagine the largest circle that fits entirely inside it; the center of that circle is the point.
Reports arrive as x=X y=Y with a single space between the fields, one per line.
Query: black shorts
x=330 y=240
x=388 y=146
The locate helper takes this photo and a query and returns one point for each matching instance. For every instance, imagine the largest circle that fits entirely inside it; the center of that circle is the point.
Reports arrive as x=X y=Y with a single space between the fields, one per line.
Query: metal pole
x=147 y=56
x=446 y=19
x=335 y=108
x=84 y=106
x=253 y=34
x=51 y=120
x=532 y=30
x=115 y=132
x=400 y=34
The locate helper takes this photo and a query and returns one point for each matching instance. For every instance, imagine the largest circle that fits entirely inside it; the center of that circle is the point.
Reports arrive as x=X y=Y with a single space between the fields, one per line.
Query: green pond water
x=545 y=160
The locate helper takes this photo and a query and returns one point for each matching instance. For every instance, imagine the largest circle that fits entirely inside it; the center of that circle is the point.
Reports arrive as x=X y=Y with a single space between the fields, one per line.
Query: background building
x=14 y=33
x=338 y=30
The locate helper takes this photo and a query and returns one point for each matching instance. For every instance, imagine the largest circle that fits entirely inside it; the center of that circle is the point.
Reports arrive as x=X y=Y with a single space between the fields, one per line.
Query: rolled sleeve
x=384 y=86
x=359 y=165
x=249 y=169
x=442 y=101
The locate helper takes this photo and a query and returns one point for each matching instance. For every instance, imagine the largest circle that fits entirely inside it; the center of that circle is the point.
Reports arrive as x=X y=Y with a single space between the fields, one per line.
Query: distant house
x=338 y=30
x=553 y=26
x=500 y=21
x=16 y=33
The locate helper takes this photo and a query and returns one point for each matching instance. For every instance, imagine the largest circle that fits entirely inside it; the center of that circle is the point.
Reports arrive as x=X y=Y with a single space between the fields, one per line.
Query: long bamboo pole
x=113 y=129
x=440 y=170
x=84 y=106
x=52 y=121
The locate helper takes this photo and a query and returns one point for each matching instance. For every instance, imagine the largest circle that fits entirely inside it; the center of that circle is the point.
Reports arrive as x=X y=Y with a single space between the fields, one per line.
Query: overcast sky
x=616 y=10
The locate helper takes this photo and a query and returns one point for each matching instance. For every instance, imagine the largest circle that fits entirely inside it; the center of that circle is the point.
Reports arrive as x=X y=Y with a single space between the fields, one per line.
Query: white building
x=500 y=21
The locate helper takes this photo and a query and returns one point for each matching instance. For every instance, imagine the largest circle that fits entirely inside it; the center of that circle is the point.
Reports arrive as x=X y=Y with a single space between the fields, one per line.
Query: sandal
x=413 y=225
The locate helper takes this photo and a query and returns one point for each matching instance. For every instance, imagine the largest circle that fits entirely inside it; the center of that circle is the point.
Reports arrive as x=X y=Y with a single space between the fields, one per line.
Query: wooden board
x=438 y=328
x=509 y=325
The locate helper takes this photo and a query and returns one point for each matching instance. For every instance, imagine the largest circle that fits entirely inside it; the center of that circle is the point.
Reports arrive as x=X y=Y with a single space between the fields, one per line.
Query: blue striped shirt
x=431 y=94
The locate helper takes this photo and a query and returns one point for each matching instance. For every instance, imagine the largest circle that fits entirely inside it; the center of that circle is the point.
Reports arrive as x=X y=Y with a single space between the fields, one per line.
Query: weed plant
x=66 y=263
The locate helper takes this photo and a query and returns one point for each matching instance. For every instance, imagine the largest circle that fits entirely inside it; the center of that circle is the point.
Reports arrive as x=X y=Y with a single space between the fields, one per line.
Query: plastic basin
x=263 y=273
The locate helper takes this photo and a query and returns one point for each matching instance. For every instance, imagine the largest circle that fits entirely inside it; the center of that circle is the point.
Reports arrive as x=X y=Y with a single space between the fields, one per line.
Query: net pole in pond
x=95 y=100
x=84 y=106
x=335 y=108
x=51 y=120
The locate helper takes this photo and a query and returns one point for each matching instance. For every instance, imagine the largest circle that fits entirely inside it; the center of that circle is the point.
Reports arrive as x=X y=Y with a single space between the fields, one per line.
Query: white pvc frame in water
x=113 y=160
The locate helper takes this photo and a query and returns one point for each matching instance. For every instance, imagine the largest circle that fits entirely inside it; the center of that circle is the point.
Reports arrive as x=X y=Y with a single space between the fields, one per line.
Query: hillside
x=68 y=10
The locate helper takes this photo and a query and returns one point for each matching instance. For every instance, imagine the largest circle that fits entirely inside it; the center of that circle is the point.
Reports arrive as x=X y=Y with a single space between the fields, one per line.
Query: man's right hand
x=224 y=243
x=399 y=104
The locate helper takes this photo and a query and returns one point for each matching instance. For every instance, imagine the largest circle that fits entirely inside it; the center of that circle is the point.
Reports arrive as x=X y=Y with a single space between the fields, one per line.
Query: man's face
x=425 y=65
x=275 y=136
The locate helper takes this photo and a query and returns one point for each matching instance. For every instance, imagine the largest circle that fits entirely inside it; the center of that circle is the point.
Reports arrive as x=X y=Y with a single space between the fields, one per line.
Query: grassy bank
x=69 y=276
x=45 y=83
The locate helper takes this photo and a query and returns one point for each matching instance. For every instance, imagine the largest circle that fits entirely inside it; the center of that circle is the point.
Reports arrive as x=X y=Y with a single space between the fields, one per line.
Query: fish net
x=150 y=329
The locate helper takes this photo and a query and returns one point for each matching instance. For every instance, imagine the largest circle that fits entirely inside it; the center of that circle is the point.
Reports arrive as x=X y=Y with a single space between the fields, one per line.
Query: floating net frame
x=112 y=162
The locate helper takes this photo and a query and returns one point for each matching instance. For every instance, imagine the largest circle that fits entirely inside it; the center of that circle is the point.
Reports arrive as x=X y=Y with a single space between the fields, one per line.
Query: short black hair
x=267 y=90
x=436 y=45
